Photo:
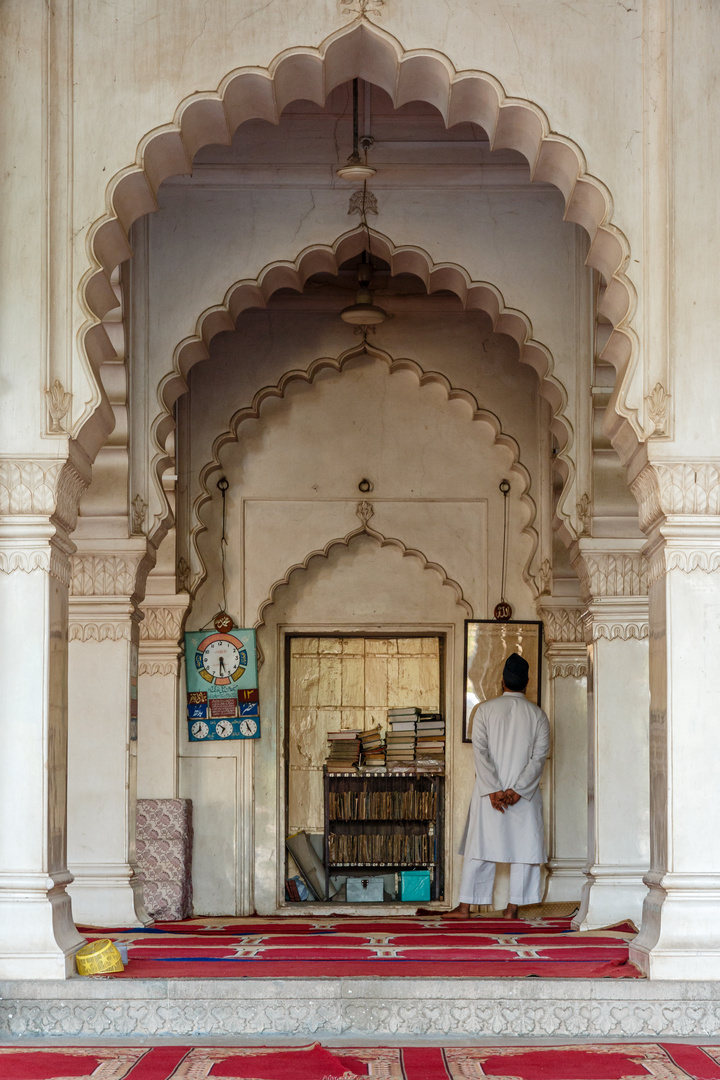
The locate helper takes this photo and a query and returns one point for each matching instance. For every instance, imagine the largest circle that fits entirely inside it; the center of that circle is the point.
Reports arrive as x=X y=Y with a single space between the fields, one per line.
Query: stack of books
x=430 y=742
x=344 y=749
x=400 y=744
x=373 y=749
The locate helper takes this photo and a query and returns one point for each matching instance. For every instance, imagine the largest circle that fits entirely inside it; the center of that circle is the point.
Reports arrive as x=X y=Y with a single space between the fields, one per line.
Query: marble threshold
x=356 y=1008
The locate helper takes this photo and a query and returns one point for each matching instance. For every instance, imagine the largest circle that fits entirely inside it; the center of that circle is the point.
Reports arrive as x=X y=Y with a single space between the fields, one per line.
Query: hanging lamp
x=363 y=312
x=355 y=168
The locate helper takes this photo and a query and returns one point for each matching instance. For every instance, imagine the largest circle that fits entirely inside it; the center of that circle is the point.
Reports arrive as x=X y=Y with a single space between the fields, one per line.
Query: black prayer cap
x=516 y=672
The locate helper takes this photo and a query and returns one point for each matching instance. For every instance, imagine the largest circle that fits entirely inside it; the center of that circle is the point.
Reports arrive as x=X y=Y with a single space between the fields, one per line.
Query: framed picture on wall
x=488 y=643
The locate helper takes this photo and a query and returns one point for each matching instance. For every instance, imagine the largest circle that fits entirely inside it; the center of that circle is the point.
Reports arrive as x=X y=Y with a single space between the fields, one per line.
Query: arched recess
x=321 y=258
x=345 y=541
x=267 y=393
x=364 y=50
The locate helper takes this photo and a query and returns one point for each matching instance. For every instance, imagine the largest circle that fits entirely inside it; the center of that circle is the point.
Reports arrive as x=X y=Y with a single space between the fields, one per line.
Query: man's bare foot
x=462 y=911
x=510 y=912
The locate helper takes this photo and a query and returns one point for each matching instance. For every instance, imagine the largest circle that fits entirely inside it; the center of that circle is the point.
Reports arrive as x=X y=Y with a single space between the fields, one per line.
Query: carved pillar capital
x=39 y=501
x=672 y=488
x=679 y=510
x=565 y=648
x=161 y=632
x=610 y=568
x=106 y=586
x=614 y=617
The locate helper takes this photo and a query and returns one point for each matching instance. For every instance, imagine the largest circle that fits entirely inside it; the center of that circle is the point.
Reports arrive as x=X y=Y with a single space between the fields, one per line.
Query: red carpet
x=598 y=1061
x=331 y=947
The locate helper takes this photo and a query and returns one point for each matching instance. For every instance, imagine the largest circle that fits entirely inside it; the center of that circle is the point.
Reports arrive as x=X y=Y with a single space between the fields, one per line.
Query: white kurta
x=511 y=740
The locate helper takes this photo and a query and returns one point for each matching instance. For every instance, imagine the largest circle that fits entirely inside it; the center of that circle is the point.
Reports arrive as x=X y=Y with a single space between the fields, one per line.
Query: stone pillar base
x=680 y=937
x=611 y=894
x=107 y=895
x=565 y=881
x=38 y=939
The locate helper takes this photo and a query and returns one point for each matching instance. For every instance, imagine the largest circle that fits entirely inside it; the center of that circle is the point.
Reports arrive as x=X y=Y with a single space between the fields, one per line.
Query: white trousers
x=478 y=878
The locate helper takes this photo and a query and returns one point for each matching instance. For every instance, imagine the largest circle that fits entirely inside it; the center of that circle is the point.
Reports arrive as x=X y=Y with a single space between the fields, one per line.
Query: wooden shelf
x=429 y=828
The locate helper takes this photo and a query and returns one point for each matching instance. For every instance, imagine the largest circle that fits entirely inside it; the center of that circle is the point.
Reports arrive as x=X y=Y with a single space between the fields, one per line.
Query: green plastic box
x=415 y=885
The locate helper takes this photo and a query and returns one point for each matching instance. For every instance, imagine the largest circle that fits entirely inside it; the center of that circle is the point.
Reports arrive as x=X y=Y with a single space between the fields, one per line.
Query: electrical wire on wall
x=503 y=610
x=223 y=486
x=223 y=622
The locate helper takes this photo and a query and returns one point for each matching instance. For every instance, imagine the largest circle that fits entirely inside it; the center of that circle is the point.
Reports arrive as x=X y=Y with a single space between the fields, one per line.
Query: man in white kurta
x=511 y=739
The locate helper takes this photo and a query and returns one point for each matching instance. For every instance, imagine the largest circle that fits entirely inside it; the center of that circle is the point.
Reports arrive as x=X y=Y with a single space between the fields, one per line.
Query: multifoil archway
x=366 y=51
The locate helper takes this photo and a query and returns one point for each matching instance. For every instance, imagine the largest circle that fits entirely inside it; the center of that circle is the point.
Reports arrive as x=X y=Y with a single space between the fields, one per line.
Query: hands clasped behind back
x=502 y=799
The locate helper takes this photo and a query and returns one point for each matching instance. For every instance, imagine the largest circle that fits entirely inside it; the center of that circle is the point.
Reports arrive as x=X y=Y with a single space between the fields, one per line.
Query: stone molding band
x=423 y=1007
x=158 y=667
x=567 y=669
x=120 y=630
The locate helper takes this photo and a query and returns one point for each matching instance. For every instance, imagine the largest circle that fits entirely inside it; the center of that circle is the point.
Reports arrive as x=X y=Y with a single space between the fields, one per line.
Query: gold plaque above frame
x=488 y=644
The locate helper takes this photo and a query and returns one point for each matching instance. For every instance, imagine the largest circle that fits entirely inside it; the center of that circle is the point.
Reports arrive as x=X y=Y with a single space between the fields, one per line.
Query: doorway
x=337 y=686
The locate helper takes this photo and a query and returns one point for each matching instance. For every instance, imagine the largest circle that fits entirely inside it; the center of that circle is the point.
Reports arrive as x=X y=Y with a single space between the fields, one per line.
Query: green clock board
x=222 y=685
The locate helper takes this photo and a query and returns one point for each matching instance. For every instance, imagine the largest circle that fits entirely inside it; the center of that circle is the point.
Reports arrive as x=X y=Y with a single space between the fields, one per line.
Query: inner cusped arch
x=248 y=294
x=507 y=462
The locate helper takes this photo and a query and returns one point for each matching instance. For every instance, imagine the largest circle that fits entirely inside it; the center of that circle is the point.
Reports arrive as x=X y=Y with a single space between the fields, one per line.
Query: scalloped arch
x=252 y=412
x=345 y=541
x=365 y=50
x=474 y=295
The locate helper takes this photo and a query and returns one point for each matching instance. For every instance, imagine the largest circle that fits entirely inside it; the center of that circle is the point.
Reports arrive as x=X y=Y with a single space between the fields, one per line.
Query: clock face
x=223 y=728
x=200 y=730
x=248 y=727
x=221 y=658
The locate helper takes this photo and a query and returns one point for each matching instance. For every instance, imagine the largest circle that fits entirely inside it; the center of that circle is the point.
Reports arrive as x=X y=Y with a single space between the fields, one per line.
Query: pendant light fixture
x=356 y=169
x=363 y=312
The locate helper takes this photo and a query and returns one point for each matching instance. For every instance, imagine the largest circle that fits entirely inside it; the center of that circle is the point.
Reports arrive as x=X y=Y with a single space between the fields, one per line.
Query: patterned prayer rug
x=595 y=1061
x=332 y=947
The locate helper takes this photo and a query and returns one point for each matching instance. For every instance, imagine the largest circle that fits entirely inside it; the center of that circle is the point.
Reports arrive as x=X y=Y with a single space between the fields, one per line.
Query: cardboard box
x=415 y=885
x=364 y=889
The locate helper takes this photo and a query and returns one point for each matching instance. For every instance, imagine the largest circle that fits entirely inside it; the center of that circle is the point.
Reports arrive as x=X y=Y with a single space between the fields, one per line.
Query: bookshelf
x=379 y=823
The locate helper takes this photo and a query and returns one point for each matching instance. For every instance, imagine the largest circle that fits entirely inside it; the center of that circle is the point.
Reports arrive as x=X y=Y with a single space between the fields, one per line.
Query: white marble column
x=102 y=743
x=680 y=509
x=616 y=619
x=38 y=506
x=566 y=704
x=160 y=695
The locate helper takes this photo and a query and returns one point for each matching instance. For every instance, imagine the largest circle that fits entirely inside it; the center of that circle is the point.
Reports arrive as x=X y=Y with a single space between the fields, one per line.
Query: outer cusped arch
x=362 y=49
